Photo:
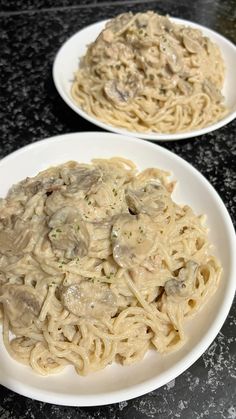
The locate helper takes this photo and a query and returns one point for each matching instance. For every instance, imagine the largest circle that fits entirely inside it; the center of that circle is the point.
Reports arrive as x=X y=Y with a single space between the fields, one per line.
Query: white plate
x=116 y=383
x=67 y=61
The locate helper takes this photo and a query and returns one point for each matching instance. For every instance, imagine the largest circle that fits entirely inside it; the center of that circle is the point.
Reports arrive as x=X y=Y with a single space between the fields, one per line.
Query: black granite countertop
x=31 y=32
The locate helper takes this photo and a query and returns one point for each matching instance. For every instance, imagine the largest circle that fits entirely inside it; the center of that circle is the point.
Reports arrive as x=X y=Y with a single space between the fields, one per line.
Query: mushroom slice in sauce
x=145 y=200
x=89 y=300
x=21 y=302
x=192 y=45
x=118 y=93
x=212 y=91
x=69 y=232
x=82 y=179
x=117 y=24
x=45 y=182
x=183 y=285
x=172 y=57
x=133 y=238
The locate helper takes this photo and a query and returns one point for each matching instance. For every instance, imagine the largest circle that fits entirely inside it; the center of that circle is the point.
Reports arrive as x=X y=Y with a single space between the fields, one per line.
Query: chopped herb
x=86 y=197
x=53 y=235
x=58 y=230
x=78 y=227
x=89 y=202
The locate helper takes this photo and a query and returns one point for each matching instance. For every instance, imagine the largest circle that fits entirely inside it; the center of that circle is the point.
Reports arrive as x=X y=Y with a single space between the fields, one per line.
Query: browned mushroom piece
x=212 y=91
x=21 y=303
x=88 y=299
x=118 y=93
x=69 y=232
x=31 y=186
x=117 y=24
x=147 y=199
x=173 y=58
x=133 y=238
x=161 y=24
x=192 y=45
x=82 y=178
x=183 y=284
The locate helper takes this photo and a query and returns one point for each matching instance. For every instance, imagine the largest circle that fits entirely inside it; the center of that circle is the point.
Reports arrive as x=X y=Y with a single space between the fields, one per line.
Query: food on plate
x=145 y=73
x=97 y=265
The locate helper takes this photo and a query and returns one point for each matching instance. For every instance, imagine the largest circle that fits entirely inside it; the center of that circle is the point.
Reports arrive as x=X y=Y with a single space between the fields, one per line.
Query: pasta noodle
x=147 y=74
x=97 y=265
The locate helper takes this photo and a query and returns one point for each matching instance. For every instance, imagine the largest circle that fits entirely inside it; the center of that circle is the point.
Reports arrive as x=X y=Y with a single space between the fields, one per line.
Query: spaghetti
x=147 y=74
x=98 y=264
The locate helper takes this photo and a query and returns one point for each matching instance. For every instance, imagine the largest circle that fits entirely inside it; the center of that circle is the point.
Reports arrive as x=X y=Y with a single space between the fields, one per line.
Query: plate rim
x=182 y=365
x=151 y=136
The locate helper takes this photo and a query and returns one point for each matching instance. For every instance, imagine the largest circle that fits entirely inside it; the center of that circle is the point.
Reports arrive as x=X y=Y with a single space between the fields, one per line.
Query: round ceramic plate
x=67 y=62
x=117 y=383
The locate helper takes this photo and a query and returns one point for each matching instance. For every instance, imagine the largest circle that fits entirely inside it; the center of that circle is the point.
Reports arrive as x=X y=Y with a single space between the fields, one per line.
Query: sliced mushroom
x=44 y=182
x=158 y=25
x=21 y=302
x=192 y=45
x=133 y=238
x=46 y=185
x=89 y=300
x=117 y=24
x=117 y=92
x=146 y=200
x=69 y=233
x=168 y=25
x=81 y=178
x=54 y=202
x=172 y=57
x=183 y=285
x=212 y=91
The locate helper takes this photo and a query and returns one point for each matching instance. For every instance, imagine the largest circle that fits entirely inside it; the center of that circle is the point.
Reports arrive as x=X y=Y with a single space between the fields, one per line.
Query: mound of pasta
x=147 y=74
x=98 y=264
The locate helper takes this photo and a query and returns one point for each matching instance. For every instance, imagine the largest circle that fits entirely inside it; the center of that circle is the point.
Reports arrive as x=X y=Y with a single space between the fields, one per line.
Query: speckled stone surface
x=30 y=34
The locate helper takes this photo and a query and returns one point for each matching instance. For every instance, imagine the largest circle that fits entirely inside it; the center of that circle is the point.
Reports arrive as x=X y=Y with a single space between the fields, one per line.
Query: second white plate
x=67 y=62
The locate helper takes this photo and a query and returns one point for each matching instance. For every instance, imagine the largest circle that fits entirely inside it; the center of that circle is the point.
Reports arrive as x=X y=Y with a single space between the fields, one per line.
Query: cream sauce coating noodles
x=98 y=264
x=147 y=74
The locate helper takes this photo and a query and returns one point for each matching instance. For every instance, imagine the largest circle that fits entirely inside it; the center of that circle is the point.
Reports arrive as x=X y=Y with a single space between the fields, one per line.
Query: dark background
x=31 y=32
